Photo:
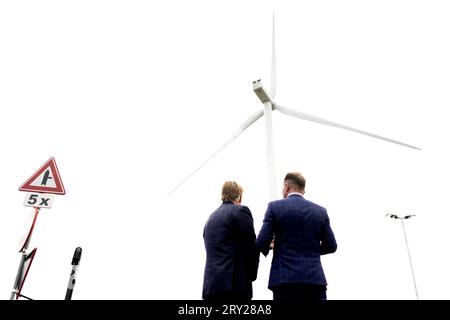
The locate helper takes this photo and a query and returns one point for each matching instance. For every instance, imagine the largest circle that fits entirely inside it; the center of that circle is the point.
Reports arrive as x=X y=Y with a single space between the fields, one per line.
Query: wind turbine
x=268 y=100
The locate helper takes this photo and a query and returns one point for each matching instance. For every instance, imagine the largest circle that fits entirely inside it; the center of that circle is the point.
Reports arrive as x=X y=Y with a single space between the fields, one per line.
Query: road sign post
x=40 y=190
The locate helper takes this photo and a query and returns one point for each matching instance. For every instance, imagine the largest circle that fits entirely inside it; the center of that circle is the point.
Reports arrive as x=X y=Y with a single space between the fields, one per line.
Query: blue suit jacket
x=302 y=233
x=231 y=255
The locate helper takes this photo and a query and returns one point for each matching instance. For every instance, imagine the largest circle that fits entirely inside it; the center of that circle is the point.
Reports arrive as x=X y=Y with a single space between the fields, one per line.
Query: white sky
x=131 y=96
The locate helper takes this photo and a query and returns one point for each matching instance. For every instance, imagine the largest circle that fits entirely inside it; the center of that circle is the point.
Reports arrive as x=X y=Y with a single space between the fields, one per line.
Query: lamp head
x=393 y=216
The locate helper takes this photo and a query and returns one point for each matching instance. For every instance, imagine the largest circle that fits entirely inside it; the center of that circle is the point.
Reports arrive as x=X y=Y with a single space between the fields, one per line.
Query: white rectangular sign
x=41 y=200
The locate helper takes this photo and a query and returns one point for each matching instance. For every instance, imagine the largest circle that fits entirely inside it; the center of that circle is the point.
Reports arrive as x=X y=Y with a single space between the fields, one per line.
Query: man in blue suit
x=231 y=255
x=299 y=232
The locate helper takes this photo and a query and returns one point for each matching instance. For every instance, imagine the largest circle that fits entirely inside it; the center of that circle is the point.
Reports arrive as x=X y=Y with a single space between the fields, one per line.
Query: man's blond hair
x=231 y=191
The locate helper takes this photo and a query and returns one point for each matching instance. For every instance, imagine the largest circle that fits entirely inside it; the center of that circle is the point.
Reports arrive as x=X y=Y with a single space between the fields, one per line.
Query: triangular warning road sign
x=46 y=180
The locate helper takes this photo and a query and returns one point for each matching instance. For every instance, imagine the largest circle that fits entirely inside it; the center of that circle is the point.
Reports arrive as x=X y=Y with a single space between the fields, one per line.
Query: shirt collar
x=294 y=193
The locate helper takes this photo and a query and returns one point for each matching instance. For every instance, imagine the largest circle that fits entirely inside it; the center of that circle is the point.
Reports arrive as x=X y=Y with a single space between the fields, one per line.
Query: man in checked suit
x=231 y=255
x=300 y=232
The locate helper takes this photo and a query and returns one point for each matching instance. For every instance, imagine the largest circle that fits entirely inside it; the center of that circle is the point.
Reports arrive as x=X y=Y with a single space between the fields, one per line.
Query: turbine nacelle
x=261 y=92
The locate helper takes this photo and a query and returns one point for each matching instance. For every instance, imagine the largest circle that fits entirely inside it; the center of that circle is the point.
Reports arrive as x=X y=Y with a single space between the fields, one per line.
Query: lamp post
x=394 y=216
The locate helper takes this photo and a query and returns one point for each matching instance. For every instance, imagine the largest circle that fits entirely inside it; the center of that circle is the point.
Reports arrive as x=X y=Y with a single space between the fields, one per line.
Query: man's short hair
x=231 y=191
x=296 y=180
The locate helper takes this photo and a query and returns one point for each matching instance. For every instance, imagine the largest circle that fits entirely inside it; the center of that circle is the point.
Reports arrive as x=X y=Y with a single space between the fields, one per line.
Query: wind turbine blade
x=241 y=129
x=308 y=117
x=273 y=74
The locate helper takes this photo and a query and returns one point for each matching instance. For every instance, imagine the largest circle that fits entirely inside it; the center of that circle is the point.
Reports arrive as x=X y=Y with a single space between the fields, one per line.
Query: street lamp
x=394 y=216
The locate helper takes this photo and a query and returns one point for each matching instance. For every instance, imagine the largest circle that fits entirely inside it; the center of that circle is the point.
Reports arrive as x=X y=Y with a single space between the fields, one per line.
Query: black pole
x=75 y=264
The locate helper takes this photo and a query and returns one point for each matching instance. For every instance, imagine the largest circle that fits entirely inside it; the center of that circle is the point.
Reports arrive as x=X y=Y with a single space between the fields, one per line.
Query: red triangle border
x=59 y=185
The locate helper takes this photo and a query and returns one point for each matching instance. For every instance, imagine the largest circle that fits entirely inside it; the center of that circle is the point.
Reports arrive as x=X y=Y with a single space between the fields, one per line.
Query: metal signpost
x=39 y=188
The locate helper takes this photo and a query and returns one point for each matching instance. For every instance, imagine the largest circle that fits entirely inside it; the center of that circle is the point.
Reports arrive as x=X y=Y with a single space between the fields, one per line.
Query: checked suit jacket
x=302 y=234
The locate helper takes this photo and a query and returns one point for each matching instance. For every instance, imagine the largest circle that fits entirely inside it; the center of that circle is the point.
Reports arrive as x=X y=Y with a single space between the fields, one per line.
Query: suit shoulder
x=242 y=208
x=277 y=202
x=319 y=209
x=318 y=206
